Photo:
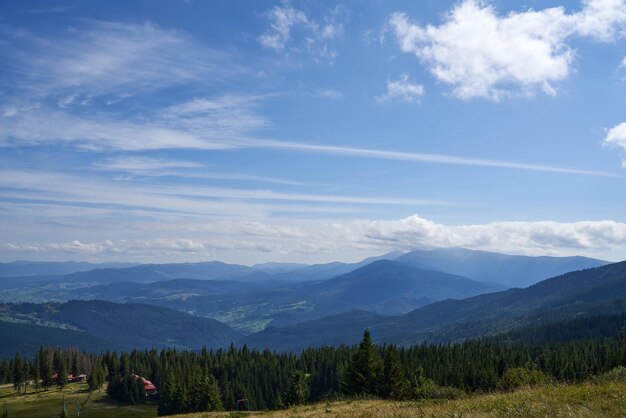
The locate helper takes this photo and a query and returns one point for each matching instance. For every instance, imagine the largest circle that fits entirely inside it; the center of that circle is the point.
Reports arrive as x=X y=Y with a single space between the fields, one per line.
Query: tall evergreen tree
x=299 y=391
x=393 y=384
x=46 y=369
x=18 y=372
x=62 y=378
x=361 y=377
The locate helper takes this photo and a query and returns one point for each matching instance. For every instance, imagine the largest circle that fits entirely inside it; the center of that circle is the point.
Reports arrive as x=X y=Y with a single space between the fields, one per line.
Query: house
x=148 y=386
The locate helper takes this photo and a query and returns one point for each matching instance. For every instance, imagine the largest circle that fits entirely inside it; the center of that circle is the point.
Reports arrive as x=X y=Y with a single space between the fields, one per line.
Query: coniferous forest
x=239 y=378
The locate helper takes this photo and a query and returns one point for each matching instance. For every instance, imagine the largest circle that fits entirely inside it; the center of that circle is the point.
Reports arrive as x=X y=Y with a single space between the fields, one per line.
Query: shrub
x=616 y=375
x=428 y=389
x=521 y=376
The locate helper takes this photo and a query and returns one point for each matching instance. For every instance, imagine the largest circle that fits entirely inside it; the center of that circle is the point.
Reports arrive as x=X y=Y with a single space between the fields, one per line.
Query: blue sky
x=311 y=131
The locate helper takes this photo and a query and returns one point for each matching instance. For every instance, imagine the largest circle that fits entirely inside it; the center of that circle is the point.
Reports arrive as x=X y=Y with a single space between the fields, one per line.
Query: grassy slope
x=583 y=400
x=48 y=403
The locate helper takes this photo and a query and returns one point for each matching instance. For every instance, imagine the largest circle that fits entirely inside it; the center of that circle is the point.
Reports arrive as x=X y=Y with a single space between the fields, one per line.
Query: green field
x=607 y=399
x=48 y=404
x=582 y=400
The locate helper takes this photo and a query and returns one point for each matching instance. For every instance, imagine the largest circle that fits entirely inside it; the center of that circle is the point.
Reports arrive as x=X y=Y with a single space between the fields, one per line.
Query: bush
x=428 y=389
x=616 y=375
x=520 y=376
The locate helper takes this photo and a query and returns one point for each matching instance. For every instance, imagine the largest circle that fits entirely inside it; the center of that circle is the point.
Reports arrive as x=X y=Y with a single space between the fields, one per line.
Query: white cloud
x=483 y=55
x=104 y=58
x=319 y=240
x=328 y=94
x=218 y=123
x=282 y=19
x=228 y=122
x=402 y=90
x=616 y=136
x=313 y=37
x=144 y=164
x=162 y=196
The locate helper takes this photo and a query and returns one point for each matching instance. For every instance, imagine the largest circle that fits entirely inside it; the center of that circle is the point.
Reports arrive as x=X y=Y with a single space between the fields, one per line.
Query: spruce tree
x=213 y=400
x=298 y=392
x=362 y=372
x=37 y=373
x=18 y=372
x=393 y=383
x=62 y=381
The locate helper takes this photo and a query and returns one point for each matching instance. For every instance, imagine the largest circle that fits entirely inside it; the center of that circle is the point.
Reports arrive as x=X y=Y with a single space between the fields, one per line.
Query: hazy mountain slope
x=27 y=338
x=213 y=270
x=129 y=325
x=595 y=291
x=330 y=330
x=326 y=271
x=509 y=270
x=384 y=287
x=177 y=289
x=50 y=268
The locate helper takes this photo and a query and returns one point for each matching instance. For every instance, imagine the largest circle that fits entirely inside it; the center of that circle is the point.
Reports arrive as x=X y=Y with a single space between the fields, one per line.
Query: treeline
x=241 y=378
x=51 y=367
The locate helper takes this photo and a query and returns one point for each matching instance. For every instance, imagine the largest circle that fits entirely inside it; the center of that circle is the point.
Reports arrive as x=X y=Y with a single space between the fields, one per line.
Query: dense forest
x=241 y=378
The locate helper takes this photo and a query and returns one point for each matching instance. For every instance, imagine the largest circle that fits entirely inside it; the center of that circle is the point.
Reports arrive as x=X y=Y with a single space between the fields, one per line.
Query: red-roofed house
x=148 y=386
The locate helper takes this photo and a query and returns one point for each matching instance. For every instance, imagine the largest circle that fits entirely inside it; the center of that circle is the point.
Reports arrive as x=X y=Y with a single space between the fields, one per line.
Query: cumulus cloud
x=402 y=90
x=616 y=136
x=481 y=54
x=319 y=240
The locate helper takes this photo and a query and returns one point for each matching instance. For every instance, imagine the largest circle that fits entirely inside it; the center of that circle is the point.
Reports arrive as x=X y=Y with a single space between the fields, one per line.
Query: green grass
x=582 y=400
x=48 y=404
x=605 y=398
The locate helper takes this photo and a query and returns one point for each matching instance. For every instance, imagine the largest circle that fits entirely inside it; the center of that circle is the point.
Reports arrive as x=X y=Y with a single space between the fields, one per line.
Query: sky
x=301 y=131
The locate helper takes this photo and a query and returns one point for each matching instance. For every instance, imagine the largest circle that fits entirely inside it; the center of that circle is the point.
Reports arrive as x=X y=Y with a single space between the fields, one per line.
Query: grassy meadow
x=606 y=399
x=35 y=404
x=582 y=400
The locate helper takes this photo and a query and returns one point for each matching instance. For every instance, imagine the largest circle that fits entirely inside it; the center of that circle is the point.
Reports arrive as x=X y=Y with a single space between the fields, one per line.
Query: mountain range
x=596 y=291
x=437 y=296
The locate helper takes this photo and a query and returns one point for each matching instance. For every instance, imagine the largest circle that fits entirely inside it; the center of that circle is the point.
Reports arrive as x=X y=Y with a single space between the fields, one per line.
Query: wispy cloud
x=206 y=124
x=328 y=94
x=159 y=167
x=135 y=164
x=282 y=19
x=174 y=197
x=313 y=36
x=428 y=158
x=116 y=59
x=197 y=124
x=402 y=90
x=484 y=55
